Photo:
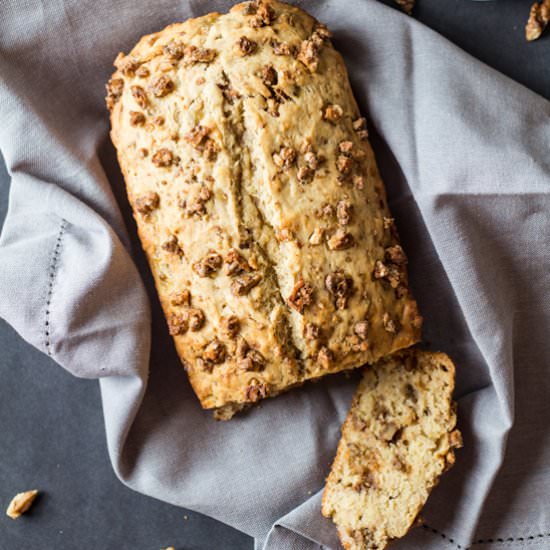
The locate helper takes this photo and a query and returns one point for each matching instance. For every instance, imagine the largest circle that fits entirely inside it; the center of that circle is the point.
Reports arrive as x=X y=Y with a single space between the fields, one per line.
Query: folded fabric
x=464 y=153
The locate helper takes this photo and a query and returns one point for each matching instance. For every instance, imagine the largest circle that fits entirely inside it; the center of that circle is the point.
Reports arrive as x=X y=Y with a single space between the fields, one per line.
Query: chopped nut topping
x=358 y=182
x=137 y=118
x=333 y=113
x=346 y=147
x=344 y=164
x=304 y=174
x=327 y=211
x=539 y=16
x=243 y=284
x=214 y=352
x=174 y=49
x=283 y=48
x=127 y=65
x=172 y=246
x=455 y=439
x=301 y=296
x=264 y=15
x=181 y=298
x=360 y=124
x=312 y=160
x=246 y=46
x=340 y=286
x=147 y=203
x=230 y=326
x=142 y=72
x=285 y=157
x=396 y=255
x=255 y=391
x=344 y=210
x=140 y=96
x=325 y=357
x=208 y=265
x=198 y=138
x=161 y=86
x=390 y=272
x=340 y=240
x=177 y=324
x=193 y=54
x=389 y=324
x=317 y=236
x=114 y=87
x=197 y=206
x=163 y=158
x=196 y=319
x=235 y=263
x=311 y=331
x=20 y=503
x=269 y=75
x=361 y=329
x=309 y=49
x=249 y=359
x=406 y=5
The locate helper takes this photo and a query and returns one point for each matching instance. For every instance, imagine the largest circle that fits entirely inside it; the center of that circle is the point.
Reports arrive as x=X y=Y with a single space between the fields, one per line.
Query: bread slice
x=396 y=442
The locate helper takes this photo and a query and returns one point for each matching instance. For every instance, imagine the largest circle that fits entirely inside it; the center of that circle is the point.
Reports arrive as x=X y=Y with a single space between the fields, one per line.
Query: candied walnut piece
x=174 y=50
x=246 y=46
x=344 y=210
x=285 y=158
x=196 y=319
x=340 y=286
x=114 y=88
x=406 y=5
x=263 y=13
x=341 y=240
x=172 y=246
x=163 y=158
x=309 y=49
x=301 y=296
x=209 y=265
x=249 y=359
x=197 y=206
x=269 y=75
x=230 y=326
x=235 y=263
x=311 y=331
x=325 y=357
x=192 y=54
x=177 y=324
x=214 y=352
x=198 y=138
x=255 y=390
x=346 y=147
x=181 y=298
x=282 y=48
x=360 y=127
x=390 y=325
x=161 y=86
x=361 y=329
x=344 y=164
x=137 y=118
x=358 y=182
x=304 y=174
x=126 y=64
x=390 y=272
x=243 y=284
x=539 y=16
x=333 y=113
x=396 y=255
x=140 y=96
x=146 y=203
x=20 y=503
x=142 y=72
x=316 y=237
x=312 y=160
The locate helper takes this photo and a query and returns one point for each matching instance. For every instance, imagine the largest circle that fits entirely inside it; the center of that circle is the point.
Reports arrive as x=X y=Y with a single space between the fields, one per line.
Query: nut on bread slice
x=397 y=440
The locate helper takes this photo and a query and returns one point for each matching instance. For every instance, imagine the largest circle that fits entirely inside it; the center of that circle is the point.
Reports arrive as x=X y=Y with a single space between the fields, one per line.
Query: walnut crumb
x=196 y=319
x=283 y=48
x=304 y=174
x=255 y=390
x=344 y=164
x=126 y=64
x=539 y=16
x=246 y=46
x=248 y=359
x=340 y=240
x=230 y=326
x=161 y=86
x=325 y=357
x=192 y=54
x=163 y=158
x=333 y=113
x=146 y=203
x=263 y=14
x=137 y=118
x=285 y=158
x=114 y=87
x=174 y=49
x=172 y=246
x=361 y=329
x=316 y=237
x=243 y=284
x=140 y=96
x=214 y=352
x=181 y=298
x=395 y=255
x=235 y=263
x=269 y=75
x=301 y=296
x=209 y=265
x=390 y=325
x=177 y=324
x=344 y=210
x=340 y=286
x=20 y=503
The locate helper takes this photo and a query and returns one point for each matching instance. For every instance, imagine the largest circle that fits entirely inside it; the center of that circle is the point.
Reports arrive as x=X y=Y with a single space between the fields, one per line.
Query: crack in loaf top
x=258 y=202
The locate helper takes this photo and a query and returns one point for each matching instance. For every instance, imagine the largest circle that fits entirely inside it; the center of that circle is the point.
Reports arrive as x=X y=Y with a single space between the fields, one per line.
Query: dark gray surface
x=51 y=425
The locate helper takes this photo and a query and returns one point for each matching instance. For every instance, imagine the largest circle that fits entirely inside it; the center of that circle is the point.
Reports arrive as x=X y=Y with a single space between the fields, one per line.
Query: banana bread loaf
x=396 y=442
x=258 y=203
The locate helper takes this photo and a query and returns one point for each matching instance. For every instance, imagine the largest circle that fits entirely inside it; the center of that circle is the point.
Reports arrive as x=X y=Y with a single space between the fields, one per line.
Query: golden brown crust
x=397 y=440
x=255 y=189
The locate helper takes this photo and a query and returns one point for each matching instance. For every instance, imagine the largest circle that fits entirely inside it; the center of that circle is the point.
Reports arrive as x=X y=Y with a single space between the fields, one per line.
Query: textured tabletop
x=51 y=424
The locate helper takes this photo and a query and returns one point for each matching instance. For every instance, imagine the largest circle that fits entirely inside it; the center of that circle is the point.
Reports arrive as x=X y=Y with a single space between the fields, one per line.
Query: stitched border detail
x=485 y=541
x=52 y=270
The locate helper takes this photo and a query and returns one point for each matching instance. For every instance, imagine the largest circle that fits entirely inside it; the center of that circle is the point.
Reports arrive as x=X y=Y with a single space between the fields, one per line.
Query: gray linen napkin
x=465 y=155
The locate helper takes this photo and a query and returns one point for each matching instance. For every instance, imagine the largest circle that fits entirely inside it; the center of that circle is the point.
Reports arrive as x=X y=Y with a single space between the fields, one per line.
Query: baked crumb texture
x=258 y=203
x=398 y=438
